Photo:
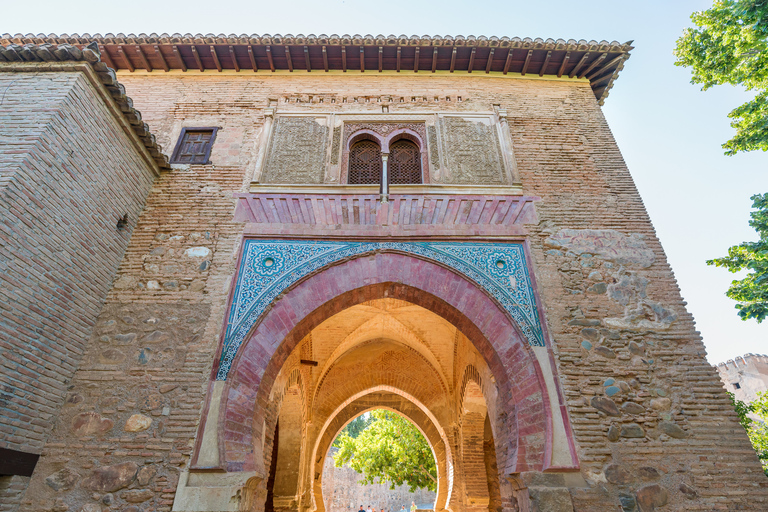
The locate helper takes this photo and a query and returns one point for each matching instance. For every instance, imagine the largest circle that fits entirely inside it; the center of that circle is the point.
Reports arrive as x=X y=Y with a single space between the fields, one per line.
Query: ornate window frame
x=383 y=134
x=429 y=127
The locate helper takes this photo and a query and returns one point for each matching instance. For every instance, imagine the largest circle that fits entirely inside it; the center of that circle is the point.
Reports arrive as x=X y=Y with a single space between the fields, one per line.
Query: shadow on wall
x=343 y=493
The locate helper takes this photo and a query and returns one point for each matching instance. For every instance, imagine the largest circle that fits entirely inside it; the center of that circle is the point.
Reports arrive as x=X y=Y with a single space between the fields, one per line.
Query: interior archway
x=392 y=354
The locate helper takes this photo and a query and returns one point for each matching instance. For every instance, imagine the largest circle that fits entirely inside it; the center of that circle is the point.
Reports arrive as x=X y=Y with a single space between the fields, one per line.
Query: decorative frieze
x=297 y=152
x=269 y=267
x=471 y=152
x=333 y=209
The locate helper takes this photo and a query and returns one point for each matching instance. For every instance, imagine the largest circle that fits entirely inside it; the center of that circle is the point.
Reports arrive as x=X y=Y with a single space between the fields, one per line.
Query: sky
x=667 y=129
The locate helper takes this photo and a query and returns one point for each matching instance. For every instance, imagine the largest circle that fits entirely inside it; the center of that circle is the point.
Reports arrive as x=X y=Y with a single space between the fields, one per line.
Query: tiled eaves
x=332 y=40
x=503 y=43
x=67 y=57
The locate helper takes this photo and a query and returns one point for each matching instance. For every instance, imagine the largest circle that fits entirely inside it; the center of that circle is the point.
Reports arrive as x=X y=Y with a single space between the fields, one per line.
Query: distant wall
x=343 y=493
x=749 y=373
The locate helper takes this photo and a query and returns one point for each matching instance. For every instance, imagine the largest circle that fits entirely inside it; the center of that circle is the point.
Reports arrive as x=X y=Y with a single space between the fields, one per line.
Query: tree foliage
x=729 y=45
x=390 y=449
x=354 y=428
x=756 y=430
x=751 y=293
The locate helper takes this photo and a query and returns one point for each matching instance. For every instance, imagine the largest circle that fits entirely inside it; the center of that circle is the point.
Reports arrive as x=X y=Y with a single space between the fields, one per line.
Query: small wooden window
x=365 y=163
x=404 y=164
x=194 y=146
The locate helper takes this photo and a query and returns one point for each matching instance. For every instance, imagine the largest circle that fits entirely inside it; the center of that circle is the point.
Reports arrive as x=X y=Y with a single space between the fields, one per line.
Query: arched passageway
x=408 y=329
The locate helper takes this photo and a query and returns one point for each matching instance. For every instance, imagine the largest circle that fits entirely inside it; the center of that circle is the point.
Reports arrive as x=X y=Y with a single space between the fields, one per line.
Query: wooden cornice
x=599 y=62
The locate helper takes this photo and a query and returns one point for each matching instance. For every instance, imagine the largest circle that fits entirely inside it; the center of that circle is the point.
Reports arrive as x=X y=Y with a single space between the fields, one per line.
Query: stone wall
x=68 y=174
x=342 y=492
x=650 y=419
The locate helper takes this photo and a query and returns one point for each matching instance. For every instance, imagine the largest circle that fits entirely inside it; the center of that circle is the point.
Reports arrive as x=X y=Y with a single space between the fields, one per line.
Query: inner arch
x=384 y=397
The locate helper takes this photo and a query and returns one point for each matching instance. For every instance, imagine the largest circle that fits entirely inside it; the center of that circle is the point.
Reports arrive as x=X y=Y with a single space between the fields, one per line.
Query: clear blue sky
x=669 y=132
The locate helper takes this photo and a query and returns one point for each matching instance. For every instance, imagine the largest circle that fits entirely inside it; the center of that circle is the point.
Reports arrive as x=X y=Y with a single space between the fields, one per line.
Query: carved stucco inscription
x=298 y=151
x=471 y=151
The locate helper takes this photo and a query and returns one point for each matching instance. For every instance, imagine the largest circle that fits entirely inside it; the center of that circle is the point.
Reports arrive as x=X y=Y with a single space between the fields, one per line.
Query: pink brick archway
x=528 y=426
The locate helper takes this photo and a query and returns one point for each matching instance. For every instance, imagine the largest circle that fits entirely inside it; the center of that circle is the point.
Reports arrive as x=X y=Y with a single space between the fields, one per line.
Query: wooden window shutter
x=365 y=163
x=194 y=146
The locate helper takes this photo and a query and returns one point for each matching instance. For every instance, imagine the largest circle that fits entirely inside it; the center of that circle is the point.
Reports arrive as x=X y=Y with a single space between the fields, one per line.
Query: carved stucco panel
x=471 y=151
x=298 y=150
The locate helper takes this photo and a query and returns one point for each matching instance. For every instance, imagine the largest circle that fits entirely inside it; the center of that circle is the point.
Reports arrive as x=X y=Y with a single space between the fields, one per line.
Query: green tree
x=729 y=45
x=751 y=293
x=390 y=449
x=756 y=430
x=354 y=428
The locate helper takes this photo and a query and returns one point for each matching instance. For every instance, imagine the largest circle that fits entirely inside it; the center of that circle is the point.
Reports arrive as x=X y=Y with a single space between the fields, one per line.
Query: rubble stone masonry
x=651 y=423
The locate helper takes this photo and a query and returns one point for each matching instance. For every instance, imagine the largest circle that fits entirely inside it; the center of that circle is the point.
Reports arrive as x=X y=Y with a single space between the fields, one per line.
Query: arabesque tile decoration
x=268 y=267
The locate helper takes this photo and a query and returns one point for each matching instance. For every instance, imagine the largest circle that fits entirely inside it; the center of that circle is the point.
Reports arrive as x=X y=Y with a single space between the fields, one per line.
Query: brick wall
x=68 y=173
x=11 y=491
x=621 y=332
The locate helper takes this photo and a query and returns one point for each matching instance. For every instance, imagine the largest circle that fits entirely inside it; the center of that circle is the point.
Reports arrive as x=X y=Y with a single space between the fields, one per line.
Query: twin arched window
x=403 y=165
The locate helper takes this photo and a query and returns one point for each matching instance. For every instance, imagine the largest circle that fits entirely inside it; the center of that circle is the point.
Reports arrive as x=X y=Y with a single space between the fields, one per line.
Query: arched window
x=365 y=163
x=404 y=164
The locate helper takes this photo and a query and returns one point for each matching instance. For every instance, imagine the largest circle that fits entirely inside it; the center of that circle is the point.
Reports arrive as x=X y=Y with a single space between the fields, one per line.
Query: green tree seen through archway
x=389 y=449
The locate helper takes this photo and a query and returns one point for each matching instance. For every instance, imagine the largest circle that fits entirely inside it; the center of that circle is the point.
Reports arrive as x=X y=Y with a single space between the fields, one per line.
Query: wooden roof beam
x=106 y=58
x=166 y=67
x=398 y=59
x=215 y=58
x=602 y=80
x=609 y=65
x=252 y=57
x=288 y=58
x=578 y=66
x=453 y=59
x=527 y=61
x=362 y=59
x=269 y=58
x=177 y=53
x=508 y=62
x=563 y=64
x=434 y=59
x=197 y=58
x=143 y=59
x=234 y=58
x=125 y=58
x=490 y=61
x=471 y=60
x=325 y=59
x=416 y=61
x=344 y=59
x=306 y=59
x=381 y=58
x=593 y=65
x=546 y=63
